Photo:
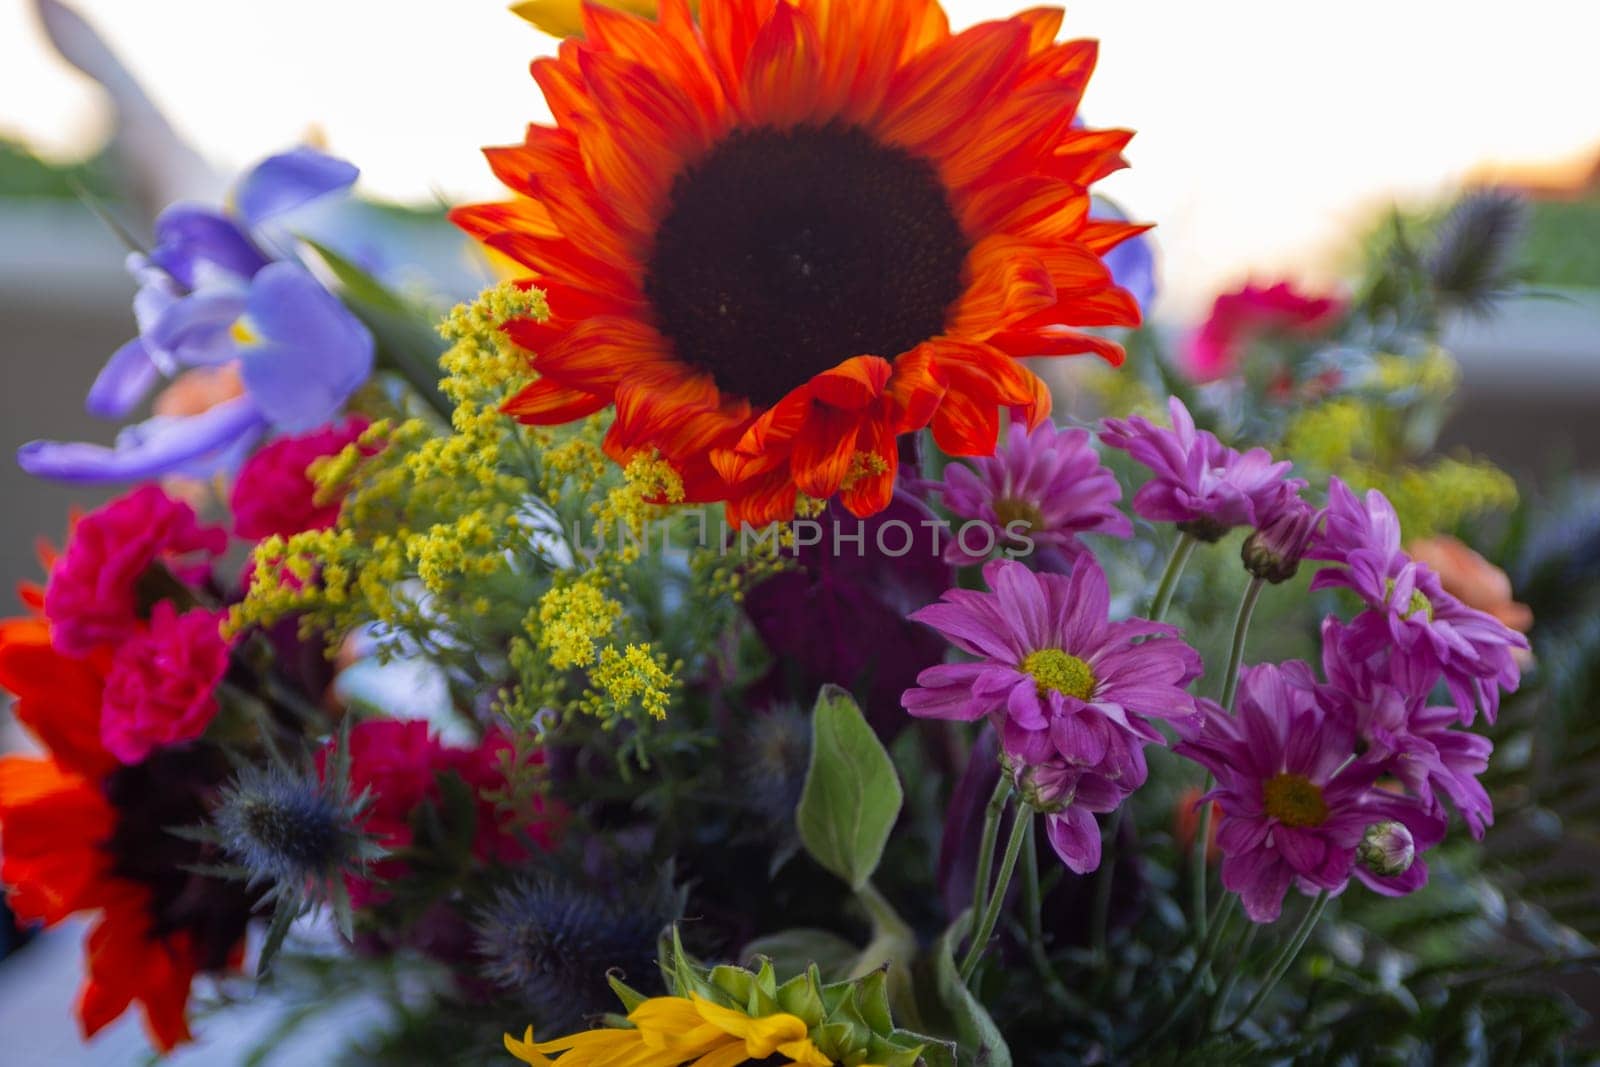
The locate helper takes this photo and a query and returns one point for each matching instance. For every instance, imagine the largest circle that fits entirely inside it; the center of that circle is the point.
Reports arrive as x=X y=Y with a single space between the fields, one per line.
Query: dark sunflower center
x=150 y=798
x=784 y=253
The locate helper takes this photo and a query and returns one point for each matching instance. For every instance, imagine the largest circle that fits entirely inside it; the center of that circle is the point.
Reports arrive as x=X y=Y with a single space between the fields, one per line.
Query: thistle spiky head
x=551 y=942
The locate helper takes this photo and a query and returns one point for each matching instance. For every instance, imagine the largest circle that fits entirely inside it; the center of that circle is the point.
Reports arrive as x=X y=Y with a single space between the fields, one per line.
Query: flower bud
x=1047 y=788
x=1387 y=849
x=1273 y=551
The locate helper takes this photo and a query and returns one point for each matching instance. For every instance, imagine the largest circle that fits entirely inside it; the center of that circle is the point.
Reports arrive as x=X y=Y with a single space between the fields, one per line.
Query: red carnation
x=100 y=587
x=1239 y=319
x=162 y=686
x=275 y=495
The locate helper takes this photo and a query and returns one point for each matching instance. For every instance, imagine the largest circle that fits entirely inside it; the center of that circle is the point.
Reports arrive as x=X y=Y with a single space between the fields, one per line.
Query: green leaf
x=407 y=342
x=283 y=917
x=979 y=1040
x=851 y=796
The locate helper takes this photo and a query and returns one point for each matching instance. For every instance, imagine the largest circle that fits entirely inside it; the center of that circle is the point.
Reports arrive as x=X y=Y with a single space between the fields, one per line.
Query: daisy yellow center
x=1053 y=669
x=1419 y=602
x=1294 y=800
x=784 y=253
x=1009 y=510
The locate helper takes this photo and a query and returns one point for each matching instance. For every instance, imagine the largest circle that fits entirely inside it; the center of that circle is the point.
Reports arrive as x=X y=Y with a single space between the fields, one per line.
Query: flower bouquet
x=707 y=647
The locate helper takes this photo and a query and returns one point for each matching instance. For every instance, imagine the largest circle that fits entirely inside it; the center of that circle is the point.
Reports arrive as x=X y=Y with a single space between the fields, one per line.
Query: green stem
x=991 y=831
x=1241 y=627
x=1033 y=903
x=1192 y=984
x=1230 y=686
x=1220 y=1004
x=1169 y=577
x=1021 y=823
x=1100 y=917
x=1285 y=960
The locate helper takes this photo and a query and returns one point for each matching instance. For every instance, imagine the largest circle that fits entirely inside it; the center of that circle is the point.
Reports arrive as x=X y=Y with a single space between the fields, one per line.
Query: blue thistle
x=771 y=758
x=287 y=830
x=1471 y=263
x=299 y=834
x=551 y=943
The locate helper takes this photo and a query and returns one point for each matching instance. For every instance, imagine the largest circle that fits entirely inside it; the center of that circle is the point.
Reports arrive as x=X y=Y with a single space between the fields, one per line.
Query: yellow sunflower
x=780 y=235
x=672 y=1031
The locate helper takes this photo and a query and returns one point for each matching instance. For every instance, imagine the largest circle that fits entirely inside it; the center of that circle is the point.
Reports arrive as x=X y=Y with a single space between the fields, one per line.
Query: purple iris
x=1408 y=610
x=211 y=294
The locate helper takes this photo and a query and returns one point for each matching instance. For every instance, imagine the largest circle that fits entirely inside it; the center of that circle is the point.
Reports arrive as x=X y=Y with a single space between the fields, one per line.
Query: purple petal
x=311 y=353
x=201 y=247
x=124 y=381
x=197 y=330
x=1075 y=835
x=146 y=450
x=284 y=182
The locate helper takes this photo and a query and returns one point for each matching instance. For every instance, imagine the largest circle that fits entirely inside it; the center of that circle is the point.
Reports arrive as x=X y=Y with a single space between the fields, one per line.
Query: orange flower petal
x=853 y=384
x=823 y=450
x=548 y=403
x=938 y=94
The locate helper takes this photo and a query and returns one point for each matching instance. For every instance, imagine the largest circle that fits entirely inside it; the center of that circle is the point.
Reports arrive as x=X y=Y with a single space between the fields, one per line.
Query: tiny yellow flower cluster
x=1322 y=437
x=649 y=489
x=1434 y=373
x=573 y=466
x=636 y=676
x=863 y=465
x=1343 y=437
x=572 y=616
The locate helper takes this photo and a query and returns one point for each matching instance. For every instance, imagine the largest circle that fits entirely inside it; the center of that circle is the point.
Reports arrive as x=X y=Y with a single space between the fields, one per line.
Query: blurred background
x=1274 y=139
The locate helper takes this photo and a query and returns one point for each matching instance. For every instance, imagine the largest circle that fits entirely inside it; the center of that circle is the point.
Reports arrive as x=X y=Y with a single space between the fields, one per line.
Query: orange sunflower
x=82 y=834
x=779 y=236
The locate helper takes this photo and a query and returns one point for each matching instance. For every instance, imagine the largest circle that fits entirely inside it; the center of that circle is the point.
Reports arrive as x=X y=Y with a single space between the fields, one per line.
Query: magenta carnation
x=275 y=495
x=1201 y=484
x=1047 y=486
x=96 y=595
x=1294 y=804
x=161 y=688
x=1058 y=679
x=1238 y=319
x=1408 y=610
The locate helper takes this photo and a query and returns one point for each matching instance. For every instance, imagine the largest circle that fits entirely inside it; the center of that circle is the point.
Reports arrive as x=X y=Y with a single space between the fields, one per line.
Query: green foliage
x=979 y=1040
x=852 y=795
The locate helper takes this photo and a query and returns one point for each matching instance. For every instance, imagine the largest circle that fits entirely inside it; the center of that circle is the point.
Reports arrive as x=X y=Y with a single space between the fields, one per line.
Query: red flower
x=399 y=763
x=274 y=494
x=779 y=236
x=97 y=594
x=82 y=835
x=1240 y=318
x=162 y=686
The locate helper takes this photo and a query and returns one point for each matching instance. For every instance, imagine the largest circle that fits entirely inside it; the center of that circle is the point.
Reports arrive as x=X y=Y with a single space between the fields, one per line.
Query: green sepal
x=631 y=998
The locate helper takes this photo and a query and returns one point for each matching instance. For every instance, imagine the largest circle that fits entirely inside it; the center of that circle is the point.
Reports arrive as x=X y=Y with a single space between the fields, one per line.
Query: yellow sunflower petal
x=526 y=1051
x=762 y=1036
x=805 y=1053
x=564 y=18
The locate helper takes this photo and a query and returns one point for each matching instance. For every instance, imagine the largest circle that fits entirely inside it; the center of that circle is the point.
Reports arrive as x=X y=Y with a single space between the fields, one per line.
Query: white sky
x=1267 y=126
